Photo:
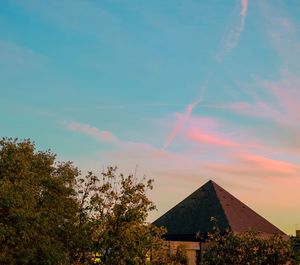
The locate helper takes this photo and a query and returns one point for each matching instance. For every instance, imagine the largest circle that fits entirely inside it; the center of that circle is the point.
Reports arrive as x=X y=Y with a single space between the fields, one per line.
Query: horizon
x=181 y=92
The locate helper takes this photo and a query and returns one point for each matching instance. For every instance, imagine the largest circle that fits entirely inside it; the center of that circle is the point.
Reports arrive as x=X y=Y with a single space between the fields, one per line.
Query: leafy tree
x=247 y=248
x=49 y=214
x=116 y=208
x=295 y=243
x=38 y=208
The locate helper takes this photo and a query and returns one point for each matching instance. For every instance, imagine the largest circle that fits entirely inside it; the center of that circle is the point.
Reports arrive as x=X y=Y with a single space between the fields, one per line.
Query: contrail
x=244 y=8
x=232 y=38
x=230 y=42
x=179 y=124
x=188 y=112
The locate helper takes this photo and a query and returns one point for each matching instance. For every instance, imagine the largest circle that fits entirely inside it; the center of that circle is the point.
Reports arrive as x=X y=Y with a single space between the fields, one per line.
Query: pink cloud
x=281 y=103
x=244 y=8
x=199 y=136
x=268 y=164
x=204 y=122
x=126 y=149
x=181 y=121
x=287 y=96
x=107 y=136
x=104 y=136
x=213 y=133
x=253 y=165
x=231 y=41
x=282 y=32
x=261 y=109
x=282 y=113
x=190 y=170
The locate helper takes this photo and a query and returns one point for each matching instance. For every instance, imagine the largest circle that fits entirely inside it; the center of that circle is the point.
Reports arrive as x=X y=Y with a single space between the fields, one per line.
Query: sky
x=178 y=91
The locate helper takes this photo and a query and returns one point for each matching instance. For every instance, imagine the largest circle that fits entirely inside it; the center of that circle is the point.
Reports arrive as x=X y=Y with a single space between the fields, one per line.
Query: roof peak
x=193 y=214
x=210 y=181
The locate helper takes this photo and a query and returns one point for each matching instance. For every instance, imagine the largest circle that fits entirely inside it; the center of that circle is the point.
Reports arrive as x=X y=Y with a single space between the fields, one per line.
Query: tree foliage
x=50 y=214
x=295 y=244
x=116 y=209
x=37 y=205
x=247 y=248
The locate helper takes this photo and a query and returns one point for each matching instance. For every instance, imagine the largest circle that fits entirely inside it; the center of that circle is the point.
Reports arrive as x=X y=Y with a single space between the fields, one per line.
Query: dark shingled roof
x=194 y=214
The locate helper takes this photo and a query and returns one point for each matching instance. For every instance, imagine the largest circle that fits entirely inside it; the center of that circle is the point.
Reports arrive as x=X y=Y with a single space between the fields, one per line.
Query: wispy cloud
x=260 y=109
x=232 y=37
x=251 y=165
x=109 y=137
x=274 y=166
x=199 y=136
x=105 y=136
x=226 y=159
x=181 y=121
x=17 y=57
x=279 y=107
x=244 y=8
x=146 y=156
x=231 y=40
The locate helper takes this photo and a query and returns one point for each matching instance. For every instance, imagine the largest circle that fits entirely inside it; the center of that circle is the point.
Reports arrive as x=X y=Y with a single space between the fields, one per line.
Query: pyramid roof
x=194 y=214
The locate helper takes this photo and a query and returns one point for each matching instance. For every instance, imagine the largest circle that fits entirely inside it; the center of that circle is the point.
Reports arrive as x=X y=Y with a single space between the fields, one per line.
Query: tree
x=295 y=243
x=38 y=207
x=247 y=248
x=116 y=207
x=50 y=214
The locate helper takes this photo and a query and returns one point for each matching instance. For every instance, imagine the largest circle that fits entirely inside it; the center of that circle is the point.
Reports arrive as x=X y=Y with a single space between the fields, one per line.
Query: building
x=193 y=215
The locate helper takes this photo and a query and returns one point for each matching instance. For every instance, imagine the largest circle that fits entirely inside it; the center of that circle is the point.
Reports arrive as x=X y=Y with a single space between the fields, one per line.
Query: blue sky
x=185 y=90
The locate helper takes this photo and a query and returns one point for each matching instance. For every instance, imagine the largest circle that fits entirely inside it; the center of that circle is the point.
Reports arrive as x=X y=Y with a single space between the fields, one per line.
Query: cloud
x=181 y=121
x=104 y=136
x=133 y=153
x=231 y=41
x=243 y=164
x=199 y=136
x=286 y=94
x=18 y=57
x=215 y=133
x=109 y=137
x=232 y=36
x=269 y=165
x=244 y=8
x=217 y=136
x=259 y=109
x=253 y=165
x=283 y=34
x=278 y=104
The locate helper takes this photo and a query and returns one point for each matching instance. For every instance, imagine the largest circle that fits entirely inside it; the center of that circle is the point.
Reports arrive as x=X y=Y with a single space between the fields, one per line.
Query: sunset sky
x=179 y=91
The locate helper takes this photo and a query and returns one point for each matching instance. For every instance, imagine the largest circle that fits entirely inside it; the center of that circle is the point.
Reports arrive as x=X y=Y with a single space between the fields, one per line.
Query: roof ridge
x=215 y=187
x=228 y=211
x=193 y=214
